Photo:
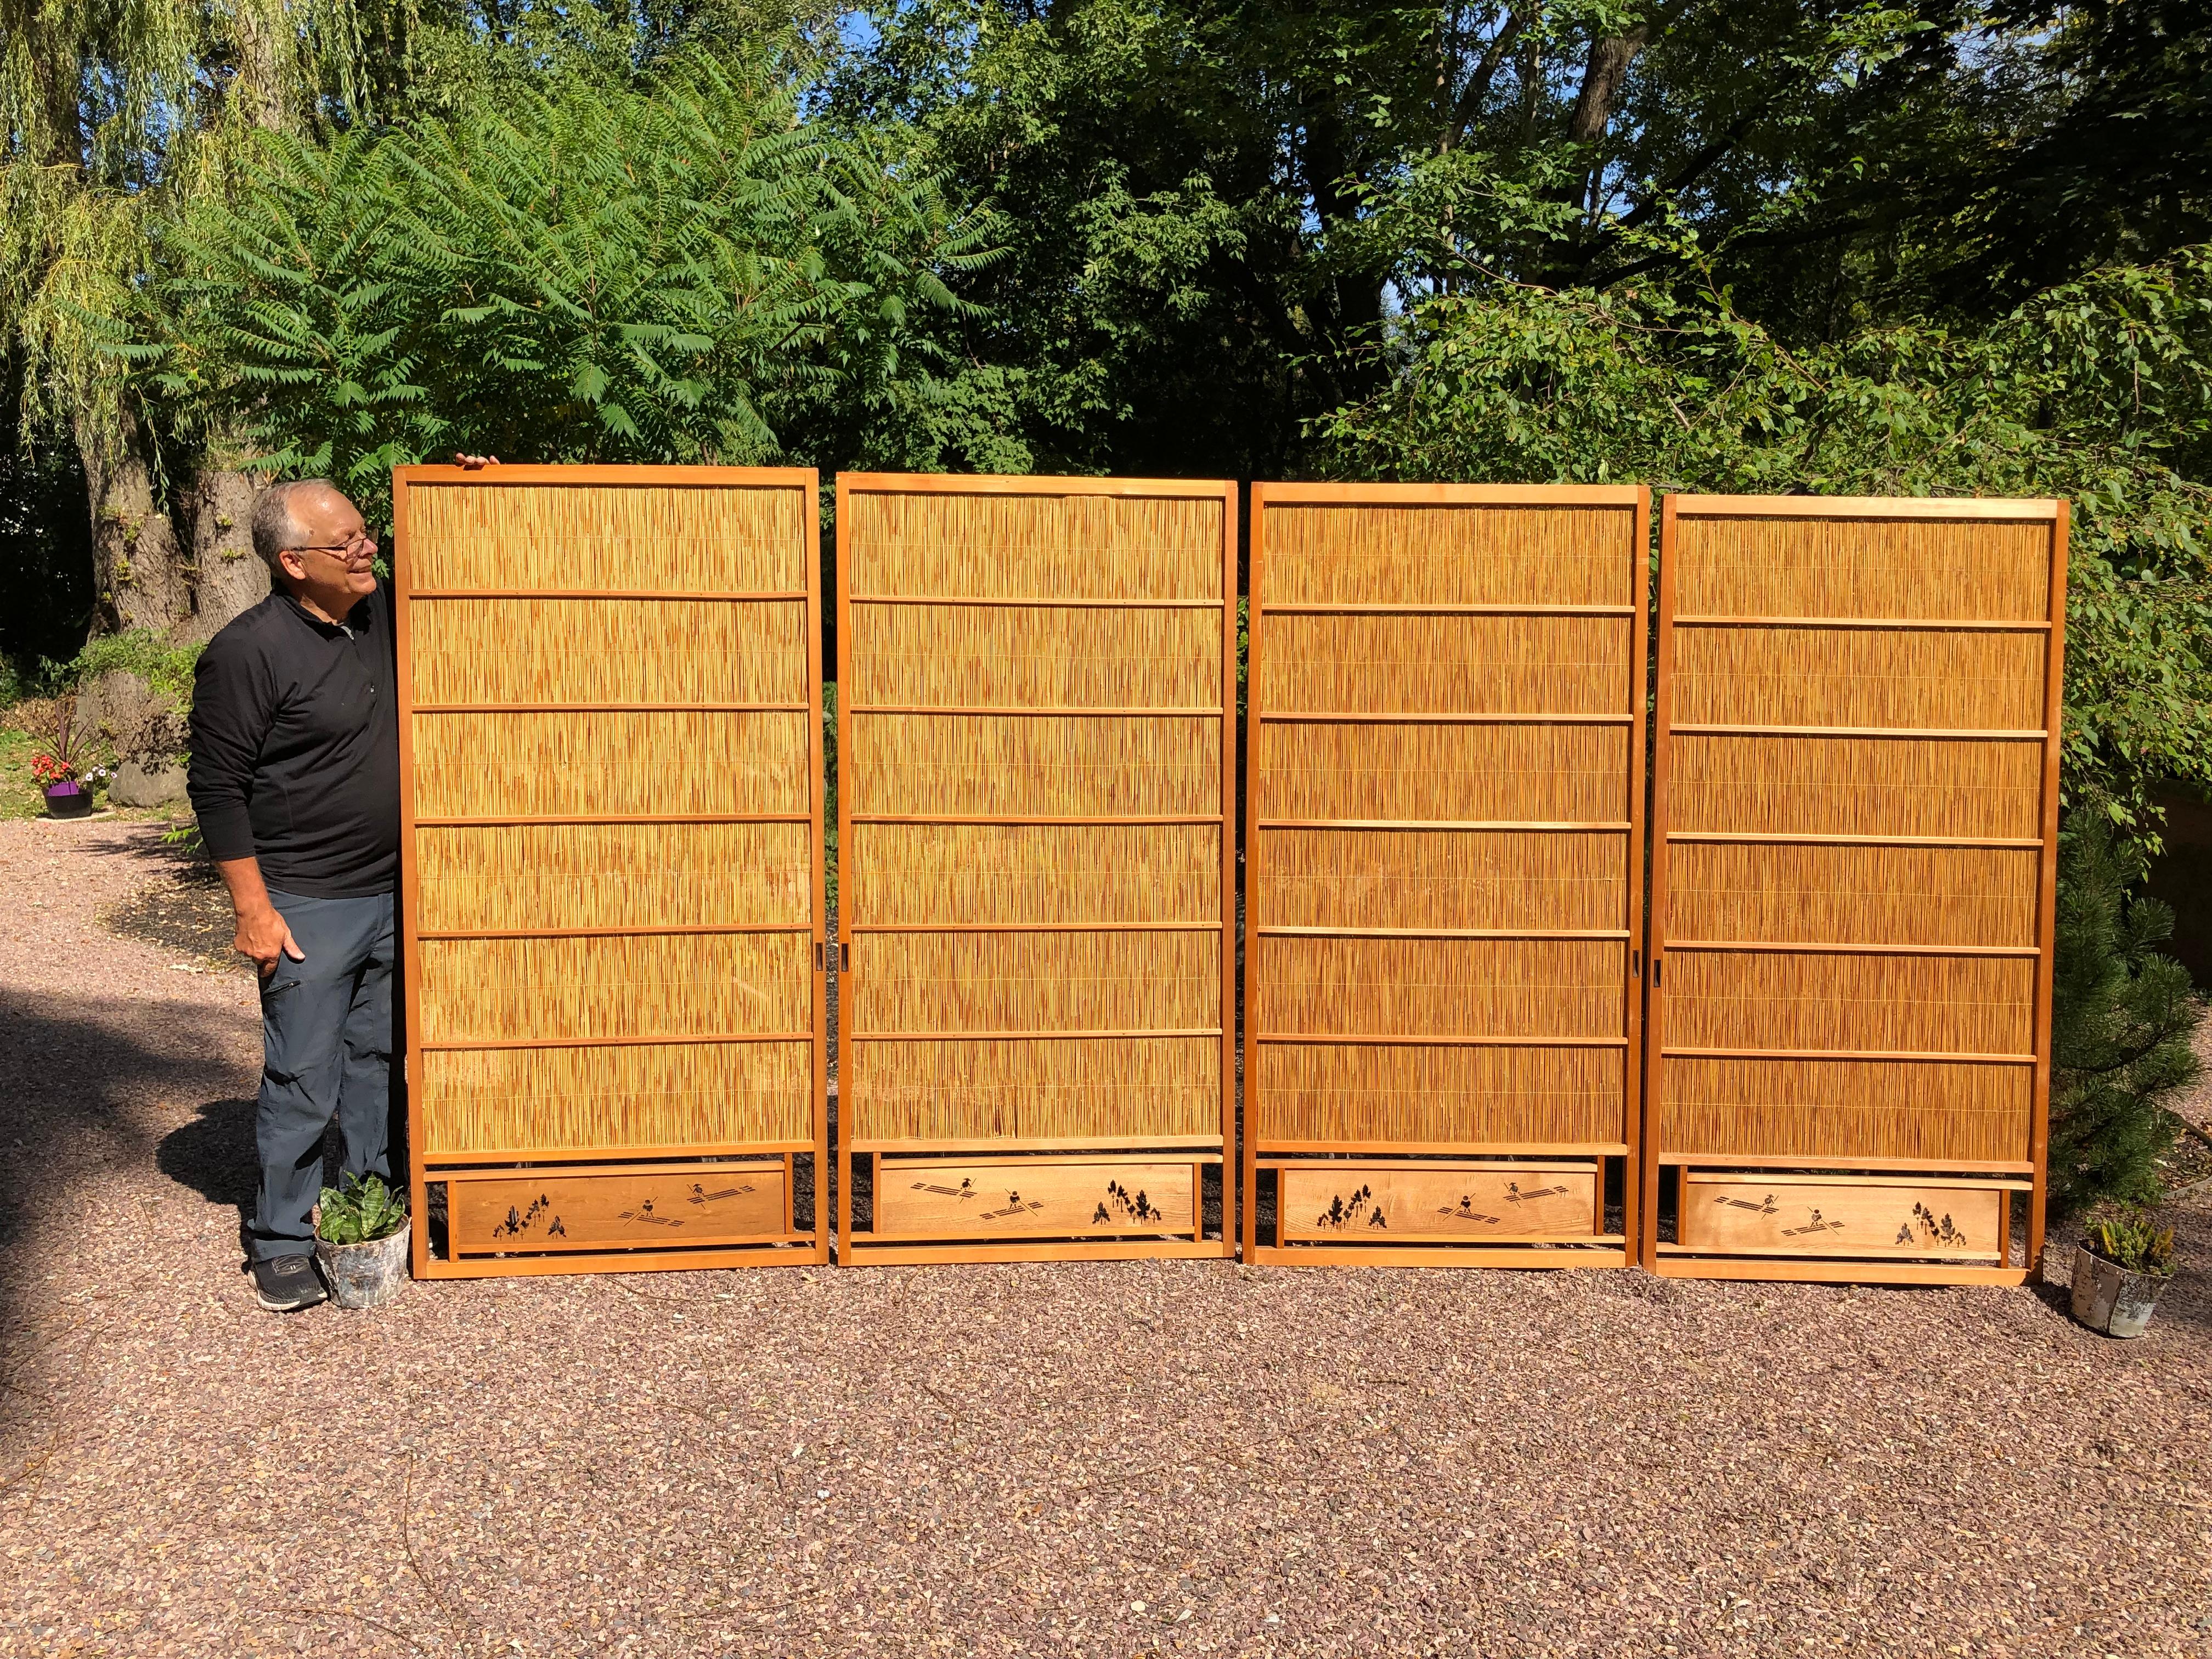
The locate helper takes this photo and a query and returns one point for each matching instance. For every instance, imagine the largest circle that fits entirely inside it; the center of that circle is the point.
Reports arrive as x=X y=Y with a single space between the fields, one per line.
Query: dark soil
x=187 y=911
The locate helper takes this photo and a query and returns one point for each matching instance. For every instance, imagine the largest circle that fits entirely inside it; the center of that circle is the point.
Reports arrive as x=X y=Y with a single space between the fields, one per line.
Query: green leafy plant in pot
x=361 y=1240
x=2118 y=1272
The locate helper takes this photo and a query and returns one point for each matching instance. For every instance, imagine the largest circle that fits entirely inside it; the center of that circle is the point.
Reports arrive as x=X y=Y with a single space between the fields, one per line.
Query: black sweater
x=296 y=747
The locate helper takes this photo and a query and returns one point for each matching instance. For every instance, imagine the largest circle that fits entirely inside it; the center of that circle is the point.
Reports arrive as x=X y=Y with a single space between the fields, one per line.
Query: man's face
x=340 y=556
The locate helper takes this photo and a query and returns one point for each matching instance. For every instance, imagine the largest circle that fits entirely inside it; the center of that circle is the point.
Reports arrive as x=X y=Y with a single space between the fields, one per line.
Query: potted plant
x=2118 y=1272
x=58 y=768
x=361 y=1241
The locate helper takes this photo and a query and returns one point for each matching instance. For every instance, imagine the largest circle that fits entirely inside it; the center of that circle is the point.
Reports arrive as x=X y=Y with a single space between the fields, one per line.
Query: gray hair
x=275 y=529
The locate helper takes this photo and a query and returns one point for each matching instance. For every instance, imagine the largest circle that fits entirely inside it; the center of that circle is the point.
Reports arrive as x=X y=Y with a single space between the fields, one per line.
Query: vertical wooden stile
x=1443 y=873
x=1036 y=767
x=1855 y=824
x=611 y=867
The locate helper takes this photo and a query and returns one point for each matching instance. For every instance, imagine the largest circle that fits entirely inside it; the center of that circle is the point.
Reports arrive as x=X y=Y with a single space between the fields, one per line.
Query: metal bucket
x=2107 y=1297
x=365 y=1275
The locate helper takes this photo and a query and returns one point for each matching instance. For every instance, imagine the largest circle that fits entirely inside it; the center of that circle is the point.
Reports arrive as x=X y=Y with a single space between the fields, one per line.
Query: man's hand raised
x=474 y=463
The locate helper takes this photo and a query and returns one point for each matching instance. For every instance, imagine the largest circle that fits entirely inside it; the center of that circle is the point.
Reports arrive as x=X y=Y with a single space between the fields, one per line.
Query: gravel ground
x=1089 y=1460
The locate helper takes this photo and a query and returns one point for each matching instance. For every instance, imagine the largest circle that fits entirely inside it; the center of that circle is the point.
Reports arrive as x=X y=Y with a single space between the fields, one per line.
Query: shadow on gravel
x=213 y=1155
x=78 y=1071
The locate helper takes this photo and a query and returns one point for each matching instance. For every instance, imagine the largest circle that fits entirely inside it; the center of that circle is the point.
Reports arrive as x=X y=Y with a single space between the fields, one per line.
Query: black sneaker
x=289 y=1282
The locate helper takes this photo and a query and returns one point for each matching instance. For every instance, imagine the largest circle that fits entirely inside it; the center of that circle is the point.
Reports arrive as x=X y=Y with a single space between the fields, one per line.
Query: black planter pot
x=76 y=804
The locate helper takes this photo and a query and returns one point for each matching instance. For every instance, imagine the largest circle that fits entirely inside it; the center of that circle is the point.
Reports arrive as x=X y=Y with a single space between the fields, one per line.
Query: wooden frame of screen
x=1611 y=1252
x=805 y=479
x=1656 y=1155
x=852 y=1250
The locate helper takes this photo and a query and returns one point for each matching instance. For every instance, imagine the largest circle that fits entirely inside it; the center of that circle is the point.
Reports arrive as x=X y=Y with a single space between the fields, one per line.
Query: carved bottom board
x=1033 y=1198
x=1744 y=1213
x=1380 y=1203
x=690 y=1205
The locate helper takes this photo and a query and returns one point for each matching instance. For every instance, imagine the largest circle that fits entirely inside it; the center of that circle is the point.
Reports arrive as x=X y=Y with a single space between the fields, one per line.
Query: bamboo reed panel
x=1913 y=680
x=505 y=878
x=564 y=765
x=1073 y=546
x=1016 y=766
x=699 y=1094
x=1816 y=895
x=1469 y=1097
x=650 y=651
x=644 y=985
x=1005 y=612
x=1469 y=879
x=1569 y=1001
x=1480 y=774
x=1856 y=786
x=1034 y=657
x=1017 y=875
x=1059 y=982
x=991 y=1090
x=1377 y=553
x=1772 y=1054
x=1520 y=988
x=1869 y=1109
x=1909 y=1004
x=636 y=984
x=1394 y=664
x=481 y=535
x=1860 y=567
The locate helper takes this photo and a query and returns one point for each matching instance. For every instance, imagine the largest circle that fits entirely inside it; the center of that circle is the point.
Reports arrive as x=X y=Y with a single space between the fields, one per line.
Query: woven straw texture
x=1014 y=981
x=1908 y=679
x=1448 y=771
x=1480 y=774
x=1472 y=879
x=504 y=877
x=1443 y=1097
x=1870 y=1110
x=1430 y=664
x=946 y=544
x=1152 y=640
x=993 y=1091
x=520 y=651
x=1372 y=553
x=1515 y=988
x=1858 y=786
x=1017 y=766
x=1862 y=567
x=1910 y=1004
x=520 y=752
x=1804 y=895
x=529 y=538
x=695 y=1094
x=1023 y=874
x=1777 y=1012
x=1035 y=657
x=574 y=764
x=501 y=990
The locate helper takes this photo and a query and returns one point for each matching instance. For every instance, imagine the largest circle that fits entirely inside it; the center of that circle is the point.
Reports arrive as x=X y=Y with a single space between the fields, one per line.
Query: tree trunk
x=1603 y=78
x=228 y=578
x=138 y=565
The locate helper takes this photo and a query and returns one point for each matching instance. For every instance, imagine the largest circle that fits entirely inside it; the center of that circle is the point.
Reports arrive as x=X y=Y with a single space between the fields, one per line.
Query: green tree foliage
x=2099 y=392
x=2120 y=1030
x=675 y=270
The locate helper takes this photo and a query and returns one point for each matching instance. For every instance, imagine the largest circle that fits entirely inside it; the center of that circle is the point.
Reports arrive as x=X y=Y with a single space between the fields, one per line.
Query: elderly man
x=295 y=778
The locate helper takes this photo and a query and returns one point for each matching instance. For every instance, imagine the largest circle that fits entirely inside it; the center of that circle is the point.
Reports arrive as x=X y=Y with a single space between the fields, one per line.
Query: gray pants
x=326 y=1050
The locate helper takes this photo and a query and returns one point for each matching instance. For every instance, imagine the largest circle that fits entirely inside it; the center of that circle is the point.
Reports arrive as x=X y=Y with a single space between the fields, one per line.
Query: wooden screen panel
x=1855 y=809
x=1038 y=764
x=612 y=879
x=1443 y=864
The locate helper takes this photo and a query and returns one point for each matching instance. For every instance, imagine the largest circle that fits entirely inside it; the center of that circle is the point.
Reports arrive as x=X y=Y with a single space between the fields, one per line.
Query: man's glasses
x=356 y=547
